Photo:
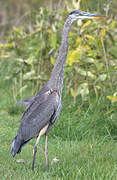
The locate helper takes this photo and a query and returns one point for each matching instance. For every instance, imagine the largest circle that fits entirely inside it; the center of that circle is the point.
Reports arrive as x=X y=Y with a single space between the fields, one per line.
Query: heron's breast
x=55 y=93
x=57 y=96
x=48 y=92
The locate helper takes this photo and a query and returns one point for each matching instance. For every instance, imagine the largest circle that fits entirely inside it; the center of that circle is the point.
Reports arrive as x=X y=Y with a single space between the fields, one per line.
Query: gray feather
x=37 y=116
x=26 y=101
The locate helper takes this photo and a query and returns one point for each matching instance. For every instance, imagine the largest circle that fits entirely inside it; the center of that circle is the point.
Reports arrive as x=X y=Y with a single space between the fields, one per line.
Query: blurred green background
x=31 y=36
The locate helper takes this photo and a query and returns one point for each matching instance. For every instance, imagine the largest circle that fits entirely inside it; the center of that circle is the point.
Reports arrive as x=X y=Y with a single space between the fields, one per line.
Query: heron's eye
x=80 y=14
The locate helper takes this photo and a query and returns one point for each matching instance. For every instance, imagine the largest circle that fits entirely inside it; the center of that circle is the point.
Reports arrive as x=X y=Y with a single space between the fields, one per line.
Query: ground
x=84 y=141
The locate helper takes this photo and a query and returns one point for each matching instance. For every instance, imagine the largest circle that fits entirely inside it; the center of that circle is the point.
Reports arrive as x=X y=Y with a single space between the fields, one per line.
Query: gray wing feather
x=39 y=96
x=26 y=101
x=40 y=114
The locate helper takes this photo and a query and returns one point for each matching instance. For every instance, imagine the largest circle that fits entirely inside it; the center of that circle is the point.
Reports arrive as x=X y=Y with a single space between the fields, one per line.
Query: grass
x=84 y=142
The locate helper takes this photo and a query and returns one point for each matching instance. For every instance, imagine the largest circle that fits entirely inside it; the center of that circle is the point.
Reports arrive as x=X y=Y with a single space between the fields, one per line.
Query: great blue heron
x=43 y=109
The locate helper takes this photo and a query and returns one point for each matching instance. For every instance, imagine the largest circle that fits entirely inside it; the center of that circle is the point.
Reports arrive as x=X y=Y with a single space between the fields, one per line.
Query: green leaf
x=90 y=60
x=72 y=92
x=102 y=77
x=85 y=73
x=52 y=60
x=112 y=98
x=53 y=40
x=84 y=91
x=28 y=75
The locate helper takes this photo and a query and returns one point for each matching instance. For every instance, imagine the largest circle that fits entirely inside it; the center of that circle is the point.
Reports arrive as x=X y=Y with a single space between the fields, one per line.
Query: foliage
x=28 y=54
x=28 y=57
x=92 y=57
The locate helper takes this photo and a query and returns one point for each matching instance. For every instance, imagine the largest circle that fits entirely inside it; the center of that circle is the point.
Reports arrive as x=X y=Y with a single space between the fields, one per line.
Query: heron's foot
x=46 y=157
x=33 y=166
x=34 y=156
x=47 y=167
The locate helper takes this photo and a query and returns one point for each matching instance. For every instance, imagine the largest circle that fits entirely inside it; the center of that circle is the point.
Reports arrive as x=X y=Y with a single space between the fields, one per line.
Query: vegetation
x=91 y=58
x=84 y=138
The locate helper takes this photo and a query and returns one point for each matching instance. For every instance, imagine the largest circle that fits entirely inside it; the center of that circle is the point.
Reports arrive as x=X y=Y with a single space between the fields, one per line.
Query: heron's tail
x=16 y=146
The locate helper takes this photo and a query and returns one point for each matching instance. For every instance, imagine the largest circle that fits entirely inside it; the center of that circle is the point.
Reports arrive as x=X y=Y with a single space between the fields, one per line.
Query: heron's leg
x=35 y=151
x=46 y=152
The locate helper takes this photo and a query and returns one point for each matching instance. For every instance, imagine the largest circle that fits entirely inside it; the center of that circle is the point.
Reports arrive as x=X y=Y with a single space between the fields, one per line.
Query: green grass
x=84 y=142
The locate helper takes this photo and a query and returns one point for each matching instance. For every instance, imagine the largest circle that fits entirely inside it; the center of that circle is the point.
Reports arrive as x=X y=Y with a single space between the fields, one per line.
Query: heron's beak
x=92 y=16
x=97 y=16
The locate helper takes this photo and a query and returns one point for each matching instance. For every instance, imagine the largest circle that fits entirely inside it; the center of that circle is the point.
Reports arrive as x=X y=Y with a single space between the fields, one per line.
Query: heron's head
x=77 y=14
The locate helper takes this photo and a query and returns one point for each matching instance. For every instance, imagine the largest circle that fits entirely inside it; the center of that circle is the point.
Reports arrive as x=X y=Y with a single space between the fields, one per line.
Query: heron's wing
x=38 y=116
x=39 y=96
x=26 y=101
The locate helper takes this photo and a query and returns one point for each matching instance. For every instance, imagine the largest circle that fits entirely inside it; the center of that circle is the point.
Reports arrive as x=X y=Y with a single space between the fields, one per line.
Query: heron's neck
x=56 y=79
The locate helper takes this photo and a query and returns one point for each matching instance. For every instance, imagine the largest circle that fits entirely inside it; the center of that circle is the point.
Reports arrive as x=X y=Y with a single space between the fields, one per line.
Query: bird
x=43 y=109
